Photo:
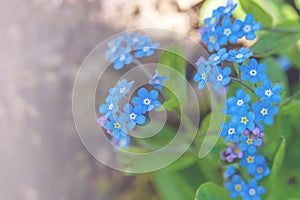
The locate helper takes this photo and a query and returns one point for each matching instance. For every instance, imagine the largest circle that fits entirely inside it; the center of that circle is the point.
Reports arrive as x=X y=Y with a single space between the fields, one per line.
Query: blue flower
x=220 y=77
x=227 y=11
x=133 y=116
x=202 y=75
x=144 y=47
x=251 y=160
x=122 y=89
x=123 y=140
x=236 y=186
x=244 y=119
x=229 y=32
x=116 y=126
x=229 y=130
x=253 y=191
x=218 y=57
x=269 y=92
x=114 y=48
x=234 y=104
x=123 y=58
x=239 y=55
x=250 y=144
x=212 y=40
x=250 y=27
x=284 y=63
x=229 y=172
x=264 y=112
x=157 y=80
x=259 y=170
x=148 y=100
x=110 y=107
x=213 y=20
x=253 y=72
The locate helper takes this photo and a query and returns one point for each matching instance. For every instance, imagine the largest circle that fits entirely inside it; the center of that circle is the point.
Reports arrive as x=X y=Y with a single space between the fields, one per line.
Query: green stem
x=281 y=30
x=242 y=83
x=287 y=101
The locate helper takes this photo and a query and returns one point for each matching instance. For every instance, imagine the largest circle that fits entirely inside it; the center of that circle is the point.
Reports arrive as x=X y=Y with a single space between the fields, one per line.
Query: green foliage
x=209 y=191
x=172 y=64
x=250 y=6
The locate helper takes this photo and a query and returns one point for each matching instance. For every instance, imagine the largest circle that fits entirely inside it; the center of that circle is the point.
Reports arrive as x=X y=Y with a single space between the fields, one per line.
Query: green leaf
x=274 y=72
x=274 y=42
x=274 y=181
x=260 y=15
x=211 y=191
x=172 y=64
x=297 y=3
x=172 y=186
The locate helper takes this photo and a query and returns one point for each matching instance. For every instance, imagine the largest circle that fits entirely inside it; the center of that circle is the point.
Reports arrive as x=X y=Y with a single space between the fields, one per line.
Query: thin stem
x=287 y=101
x=146 y=72
x=242 y=83
x=281 y=30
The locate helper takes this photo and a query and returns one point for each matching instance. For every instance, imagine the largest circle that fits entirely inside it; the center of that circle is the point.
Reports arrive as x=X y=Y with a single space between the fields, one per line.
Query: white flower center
x=122 y=90
x=253 y=72
x=220 y=77
x=132 y=116
x=239 y=55
x=122 y=143
x=240 y=102
x=247 y=28
x=147 y=101
x=157 y=81
x=252 y=192
x=231 y=131
x=264 y=111
x=122 y=57
x=216 y=58
x=227 y=32
x=145 y=49
x=135 y=40
x=268 y=92
x=110 y=106
x=113 y=49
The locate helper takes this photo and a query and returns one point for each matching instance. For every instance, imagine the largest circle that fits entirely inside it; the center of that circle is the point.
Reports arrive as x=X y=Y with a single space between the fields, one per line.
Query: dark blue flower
x=220 y=77
x=250 y=27
x=253 y=191
x=133 y=115
x=250 y=160
x=236 y=186
x=239 y=55
x=213 y=20
x=264 y=112
x=234 y=104
x=269 y=92
x=110 y=107
x=157 y=80
x=250 y=144
x=148 y=100
x=227 y=10
x=229 y=130
x=228 y=32
x=244 y=119
x=253 y=72
x=217 y=58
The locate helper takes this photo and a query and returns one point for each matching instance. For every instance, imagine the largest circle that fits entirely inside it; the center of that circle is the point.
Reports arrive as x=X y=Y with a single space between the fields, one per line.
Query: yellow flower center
x=249 y=141
x=212 y=39
x=213 y=20
x=117 y=125
x=260 y=170
x=238 y=187
x=203 y=75
x=250 y=159
x=244 y=120
x=236 y=150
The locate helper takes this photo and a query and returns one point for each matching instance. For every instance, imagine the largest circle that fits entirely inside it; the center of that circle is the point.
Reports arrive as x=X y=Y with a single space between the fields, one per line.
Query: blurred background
x=43 y=43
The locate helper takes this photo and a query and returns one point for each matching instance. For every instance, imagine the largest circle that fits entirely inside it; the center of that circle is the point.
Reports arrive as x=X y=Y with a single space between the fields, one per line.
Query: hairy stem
x=242 y=83
x=287 y=101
